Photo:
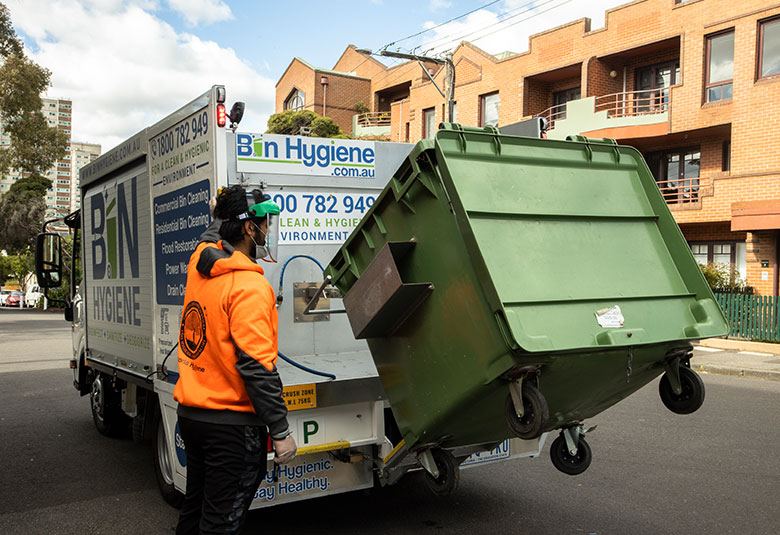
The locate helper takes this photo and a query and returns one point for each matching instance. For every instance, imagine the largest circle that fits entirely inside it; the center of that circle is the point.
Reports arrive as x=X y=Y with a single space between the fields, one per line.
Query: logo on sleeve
x=192 y=336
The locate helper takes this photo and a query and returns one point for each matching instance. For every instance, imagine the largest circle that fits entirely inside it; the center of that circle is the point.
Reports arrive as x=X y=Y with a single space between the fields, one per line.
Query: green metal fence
x=753 y=317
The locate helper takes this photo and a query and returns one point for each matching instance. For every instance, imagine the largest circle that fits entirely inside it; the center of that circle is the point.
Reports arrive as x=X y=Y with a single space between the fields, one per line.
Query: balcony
x=621 y=115
x=371 y=124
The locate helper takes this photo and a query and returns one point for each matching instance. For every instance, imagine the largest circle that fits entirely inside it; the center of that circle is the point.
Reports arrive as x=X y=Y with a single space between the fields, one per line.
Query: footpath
x=738 y=358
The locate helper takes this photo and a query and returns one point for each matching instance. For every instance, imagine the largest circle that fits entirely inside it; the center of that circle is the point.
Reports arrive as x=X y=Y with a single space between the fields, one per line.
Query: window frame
x=710 y=250
x=295 y=94
x=760 y=55
x=659 y=158
x=707 y=57
x=482 y=99
x=425 y=114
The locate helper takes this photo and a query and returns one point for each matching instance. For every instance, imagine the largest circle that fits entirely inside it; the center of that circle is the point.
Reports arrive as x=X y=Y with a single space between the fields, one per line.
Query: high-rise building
x=57 y=113
x=80 y=155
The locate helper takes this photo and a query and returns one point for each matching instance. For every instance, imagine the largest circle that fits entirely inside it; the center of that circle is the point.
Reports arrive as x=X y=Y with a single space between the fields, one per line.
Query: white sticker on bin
x=610 y=318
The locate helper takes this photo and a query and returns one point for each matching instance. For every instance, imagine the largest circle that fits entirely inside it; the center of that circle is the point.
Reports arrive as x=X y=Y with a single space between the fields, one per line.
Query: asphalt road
x=716 y=471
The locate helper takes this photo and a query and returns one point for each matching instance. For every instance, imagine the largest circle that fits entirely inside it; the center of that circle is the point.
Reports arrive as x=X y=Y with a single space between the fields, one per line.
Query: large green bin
x=490 y=257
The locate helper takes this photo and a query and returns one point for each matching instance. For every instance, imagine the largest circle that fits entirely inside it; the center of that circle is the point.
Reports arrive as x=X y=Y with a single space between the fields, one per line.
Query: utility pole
x=449 y=97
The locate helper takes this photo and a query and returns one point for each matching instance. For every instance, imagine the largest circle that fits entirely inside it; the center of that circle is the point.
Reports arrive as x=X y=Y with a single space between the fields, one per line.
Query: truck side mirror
x=69 y=312
x=236 y=113
x=48 y=260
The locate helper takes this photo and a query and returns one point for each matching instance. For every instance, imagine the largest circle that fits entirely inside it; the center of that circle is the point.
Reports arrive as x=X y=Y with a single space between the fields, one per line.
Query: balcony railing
x=377 y=118
x=626 y=104
x=634 y=103
x=681 y=190
x=554 y=113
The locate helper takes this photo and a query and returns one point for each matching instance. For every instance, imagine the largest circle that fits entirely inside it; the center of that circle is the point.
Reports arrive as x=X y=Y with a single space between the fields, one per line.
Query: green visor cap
x=264 y=208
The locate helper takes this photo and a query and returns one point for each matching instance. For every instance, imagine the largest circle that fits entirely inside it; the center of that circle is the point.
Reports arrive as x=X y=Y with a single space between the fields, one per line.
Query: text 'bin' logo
x=114 y=231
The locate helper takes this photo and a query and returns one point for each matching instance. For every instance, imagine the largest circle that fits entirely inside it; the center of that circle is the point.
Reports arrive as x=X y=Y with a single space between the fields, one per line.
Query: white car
x=4 y=296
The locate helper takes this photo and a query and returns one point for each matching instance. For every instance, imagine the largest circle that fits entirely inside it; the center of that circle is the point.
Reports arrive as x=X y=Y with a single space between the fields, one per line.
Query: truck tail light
x=221 y=115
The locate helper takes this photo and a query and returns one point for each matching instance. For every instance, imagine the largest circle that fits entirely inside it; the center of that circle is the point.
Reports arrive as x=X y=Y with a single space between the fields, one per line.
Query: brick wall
x=672 y=31
x=297 y=76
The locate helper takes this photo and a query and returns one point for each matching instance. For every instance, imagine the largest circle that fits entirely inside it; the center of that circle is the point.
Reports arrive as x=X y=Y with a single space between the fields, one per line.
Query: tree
x=34 y=146
x=290 y=122
x=17 y=267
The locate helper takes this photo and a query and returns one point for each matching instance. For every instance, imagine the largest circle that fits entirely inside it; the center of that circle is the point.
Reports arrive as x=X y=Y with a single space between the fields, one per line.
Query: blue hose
x=281 y=274
x=305 y=368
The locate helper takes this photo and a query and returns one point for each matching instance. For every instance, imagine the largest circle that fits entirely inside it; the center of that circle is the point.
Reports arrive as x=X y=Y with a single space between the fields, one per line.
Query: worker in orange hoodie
x=229 y=391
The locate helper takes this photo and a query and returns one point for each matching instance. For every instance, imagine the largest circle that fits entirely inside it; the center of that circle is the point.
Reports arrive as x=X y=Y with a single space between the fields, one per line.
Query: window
x=295 y=101
x=429 y=122
x=560 y=98
x=726 y=161
x=677 y=174
x=720 y=67
x=454 y=117
x=769 y=48
x=406 y=134
x=488 y=109
x=731 y=253
x=653 y=82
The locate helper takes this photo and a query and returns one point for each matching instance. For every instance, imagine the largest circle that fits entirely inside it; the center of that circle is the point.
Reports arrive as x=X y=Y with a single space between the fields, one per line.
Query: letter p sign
x=310 y=427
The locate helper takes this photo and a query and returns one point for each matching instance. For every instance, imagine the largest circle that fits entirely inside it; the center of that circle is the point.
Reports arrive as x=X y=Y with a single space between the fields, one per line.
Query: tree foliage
x=722 y=278
x=34 y=145
x=9 y=42
x=17 y=267
x=290 y=122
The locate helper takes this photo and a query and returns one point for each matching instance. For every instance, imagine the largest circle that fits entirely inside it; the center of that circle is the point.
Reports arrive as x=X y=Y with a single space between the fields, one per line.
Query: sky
x=128 y=63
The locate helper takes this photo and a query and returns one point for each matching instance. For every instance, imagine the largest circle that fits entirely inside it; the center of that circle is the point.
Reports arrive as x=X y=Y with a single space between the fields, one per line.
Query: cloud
x=197 y=11
x=510 y=27
x=126 y=69
x=436 y=5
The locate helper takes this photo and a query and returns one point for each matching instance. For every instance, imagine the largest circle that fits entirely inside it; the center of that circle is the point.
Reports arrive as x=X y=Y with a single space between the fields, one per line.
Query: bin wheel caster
x=449 y=473
x=691 y=397
x=567 y=463
x=535 y=413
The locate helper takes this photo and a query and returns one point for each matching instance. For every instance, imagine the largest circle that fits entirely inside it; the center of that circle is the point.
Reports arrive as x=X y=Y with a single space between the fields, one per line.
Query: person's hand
x=285 y=450
x=212 y=205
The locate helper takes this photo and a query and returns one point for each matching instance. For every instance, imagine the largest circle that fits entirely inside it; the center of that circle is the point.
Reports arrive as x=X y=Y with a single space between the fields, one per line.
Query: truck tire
x=105 y=402
x=163 y=464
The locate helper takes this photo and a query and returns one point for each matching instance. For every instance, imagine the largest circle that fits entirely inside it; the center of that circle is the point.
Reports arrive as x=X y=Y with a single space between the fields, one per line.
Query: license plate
x=499 y=452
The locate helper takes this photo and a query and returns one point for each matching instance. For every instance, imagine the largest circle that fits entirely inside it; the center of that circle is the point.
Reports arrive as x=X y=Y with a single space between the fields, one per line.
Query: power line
x=441 y=42
x=527 y=18
x=443 y=23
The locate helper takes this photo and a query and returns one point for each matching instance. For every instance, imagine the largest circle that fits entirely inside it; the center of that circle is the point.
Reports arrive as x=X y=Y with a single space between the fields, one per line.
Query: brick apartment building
x=693 y=84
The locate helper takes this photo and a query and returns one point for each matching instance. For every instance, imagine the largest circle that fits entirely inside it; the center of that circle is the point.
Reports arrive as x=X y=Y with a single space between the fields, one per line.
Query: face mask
x=266 y=250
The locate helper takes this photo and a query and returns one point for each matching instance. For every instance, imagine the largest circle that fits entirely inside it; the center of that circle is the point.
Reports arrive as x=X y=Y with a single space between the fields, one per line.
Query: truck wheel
x=449 y=473
x=535 y=413
x=691 y=397
x=567 y=463
x=105 y=401
x=163 y=464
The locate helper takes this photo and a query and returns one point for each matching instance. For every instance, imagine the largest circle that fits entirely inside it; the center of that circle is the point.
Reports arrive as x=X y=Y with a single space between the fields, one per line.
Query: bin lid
x=573 y=242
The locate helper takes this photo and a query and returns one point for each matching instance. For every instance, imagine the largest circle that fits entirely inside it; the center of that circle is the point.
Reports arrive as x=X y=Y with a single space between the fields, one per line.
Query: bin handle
x=401 y=186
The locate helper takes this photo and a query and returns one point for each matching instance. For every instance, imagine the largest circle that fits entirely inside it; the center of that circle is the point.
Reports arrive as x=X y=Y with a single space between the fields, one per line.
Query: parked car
x=4 y=296
x=14 y=299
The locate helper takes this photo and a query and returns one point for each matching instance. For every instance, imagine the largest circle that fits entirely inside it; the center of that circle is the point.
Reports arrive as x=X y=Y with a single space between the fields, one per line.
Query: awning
x=755 y=215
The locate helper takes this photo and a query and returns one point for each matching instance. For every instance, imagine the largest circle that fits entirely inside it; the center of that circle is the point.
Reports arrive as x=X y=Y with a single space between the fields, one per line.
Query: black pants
x=225 y=464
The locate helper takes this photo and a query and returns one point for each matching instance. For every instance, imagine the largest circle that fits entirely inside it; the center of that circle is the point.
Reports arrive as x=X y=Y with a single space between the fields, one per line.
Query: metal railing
x=681 y=190
x=634 y=103
x=553 y=113
x=374 y=118
x=753 y=317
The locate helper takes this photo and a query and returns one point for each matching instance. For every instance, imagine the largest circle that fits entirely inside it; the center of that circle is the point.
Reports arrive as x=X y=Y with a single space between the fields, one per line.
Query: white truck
x=144 y=206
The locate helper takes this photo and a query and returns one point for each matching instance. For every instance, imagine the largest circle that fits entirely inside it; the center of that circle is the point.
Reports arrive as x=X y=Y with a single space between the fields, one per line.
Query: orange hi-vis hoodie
x=228 y=342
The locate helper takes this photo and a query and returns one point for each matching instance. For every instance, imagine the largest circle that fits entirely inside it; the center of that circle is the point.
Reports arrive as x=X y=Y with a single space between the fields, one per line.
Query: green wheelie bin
x=513 y=286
